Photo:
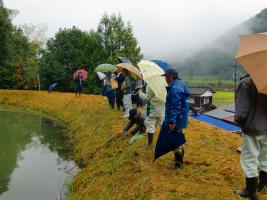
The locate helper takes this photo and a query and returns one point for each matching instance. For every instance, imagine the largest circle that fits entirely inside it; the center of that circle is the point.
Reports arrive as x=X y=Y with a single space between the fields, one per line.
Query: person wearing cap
x=251 y=115
x=173 y=124
x=136 y=117
x=156 y=114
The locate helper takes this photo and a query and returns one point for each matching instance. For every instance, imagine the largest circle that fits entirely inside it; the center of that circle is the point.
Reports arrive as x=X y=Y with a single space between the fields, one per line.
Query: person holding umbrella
x=155 y=95
x=79 y=84
x=130 y=74
x=110 y=91
x=171 y=137
x=79 y=76
x=251 y=113
x=101 y=70
x=156 y=114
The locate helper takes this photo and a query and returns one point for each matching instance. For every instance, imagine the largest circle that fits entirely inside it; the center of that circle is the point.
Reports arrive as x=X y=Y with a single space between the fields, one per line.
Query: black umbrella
x=167 y=141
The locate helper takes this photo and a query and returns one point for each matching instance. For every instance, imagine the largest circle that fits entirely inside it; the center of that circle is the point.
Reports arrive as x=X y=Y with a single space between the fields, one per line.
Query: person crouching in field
x=156 y=114
x=137 y=118
x=251 y=114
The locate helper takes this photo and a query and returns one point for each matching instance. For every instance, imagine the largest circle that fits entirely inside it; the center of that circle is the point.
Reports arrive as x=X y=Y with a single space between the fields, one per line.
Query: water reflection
x=32 y=158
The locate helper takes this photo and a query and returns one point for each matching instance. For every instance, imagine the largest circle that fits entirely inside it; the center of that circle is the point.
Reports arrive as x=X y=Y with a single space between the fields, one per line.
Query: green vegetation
x=18 y=55
x=223 y=98
x=25 y=61
x=73 y=49
x=209 y=81
x=118 y=40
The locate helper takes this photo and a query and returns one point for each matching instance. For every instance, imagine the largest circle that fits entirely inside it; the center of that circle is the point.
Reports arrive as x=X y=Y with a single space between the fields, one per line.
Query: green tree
x=118 y=39
x=71 y=49
x=26 y=63
x=18 y=59
x=5 y=33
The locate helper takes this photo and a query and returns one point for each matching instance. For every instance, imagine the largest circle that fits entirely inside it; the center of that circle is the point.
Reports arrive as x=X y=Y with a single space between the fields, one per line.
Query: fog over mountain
x=217 y=58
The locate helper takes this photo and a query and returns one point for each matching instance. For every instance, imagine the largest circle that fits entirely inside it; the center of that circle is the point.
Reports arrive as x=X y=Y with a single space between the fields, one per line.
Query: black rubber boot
x=150 y=137
x=251 y=189
x=262 y=187
x=179 y=158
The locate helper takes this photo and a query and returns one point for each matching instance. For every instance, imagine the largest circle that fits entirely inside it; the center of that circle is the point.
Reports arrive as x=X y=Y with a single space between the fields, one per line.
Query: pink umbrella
x=83 y=72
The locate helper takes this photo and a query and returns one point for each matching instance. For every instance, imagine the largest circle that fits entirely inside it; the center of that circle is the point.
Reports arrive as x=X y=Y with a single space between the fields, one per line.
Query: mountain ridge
x=217 y=58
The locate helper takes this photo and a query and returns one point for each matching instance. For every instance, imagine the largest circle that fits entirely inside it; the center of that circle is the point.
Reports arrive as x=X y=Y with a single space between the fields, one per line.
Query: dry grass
x=122 y=171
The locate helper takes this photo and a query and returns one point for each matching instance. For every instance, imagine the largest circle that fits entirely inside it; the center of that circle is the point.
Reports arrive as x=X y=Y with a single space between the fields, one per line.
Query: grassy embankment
x=214 y=82
x=223 y=98
x=122 y=171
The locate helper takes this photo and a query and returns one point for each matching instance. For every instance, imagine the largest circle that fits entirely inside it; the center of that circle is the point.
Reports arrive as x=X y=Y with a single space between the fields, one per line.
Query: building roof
x=200 y=90
x=223 y=112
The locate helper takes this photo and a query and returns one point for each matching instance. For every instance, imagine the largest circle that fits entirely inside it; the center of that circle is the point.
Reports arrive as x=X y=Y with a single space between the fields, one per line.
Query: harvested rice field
x=113 y=169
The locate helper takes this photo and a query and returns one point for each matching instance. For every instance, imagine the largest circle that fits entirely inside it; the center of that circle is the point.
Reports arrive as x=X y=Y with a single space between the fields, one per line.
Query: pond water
x=34 y=162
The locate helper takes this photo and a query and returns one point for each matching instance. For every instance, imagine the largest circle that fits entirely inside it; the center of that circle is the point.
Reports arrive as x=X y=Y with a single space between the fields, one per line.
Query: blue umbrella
x=51 y=87
x=168 y=141
x=163 y=65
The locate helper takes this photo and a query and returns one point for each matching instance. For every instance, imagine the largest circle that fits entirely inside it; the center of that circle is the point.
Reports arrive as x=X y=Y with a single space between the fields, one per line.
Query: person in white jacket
x=156 y=115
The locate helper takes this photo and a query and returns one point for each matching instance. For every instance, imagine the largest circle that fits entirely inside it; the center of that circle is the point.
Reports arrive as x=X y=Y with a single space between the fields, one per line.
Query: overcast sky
x=163 y=27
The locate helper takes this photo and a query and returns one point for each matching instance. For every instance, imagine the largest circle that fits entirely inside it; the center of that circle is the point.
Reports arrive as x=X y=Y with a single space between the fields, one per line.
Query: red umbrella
x=83 y=72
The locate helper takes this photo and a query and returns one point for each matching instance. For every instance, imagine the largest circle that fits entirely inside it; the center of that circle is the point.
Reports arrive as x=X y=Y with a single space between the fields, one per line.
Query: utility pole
x=39 y=82
x=234 y=76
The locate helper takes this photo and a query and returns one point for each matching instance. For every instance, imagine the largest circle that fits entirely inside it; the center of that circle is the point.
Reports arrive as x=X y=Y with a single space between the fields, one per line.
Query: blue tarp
x=216 y=122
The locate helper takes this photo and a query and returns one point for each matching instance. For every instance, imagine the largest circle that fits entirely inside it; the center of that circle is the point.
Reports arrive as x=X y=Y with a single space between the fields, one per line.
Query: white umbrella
x=151 y=73
x=101 y=75
x=148 y=68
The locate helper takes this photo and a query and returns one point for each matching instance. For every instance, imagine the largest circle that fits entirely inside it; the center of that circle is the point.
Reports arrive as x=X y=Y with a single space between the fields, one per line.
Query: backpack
x=185 y=97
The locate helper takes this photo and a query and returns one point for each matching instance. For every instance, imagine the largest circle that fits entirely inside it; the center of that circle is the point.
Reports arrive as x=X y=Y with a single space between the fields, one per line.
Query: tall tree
x=5 y=32
x=6 y=71
x=26 y=62
x=17 y=56
x=118 y=39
